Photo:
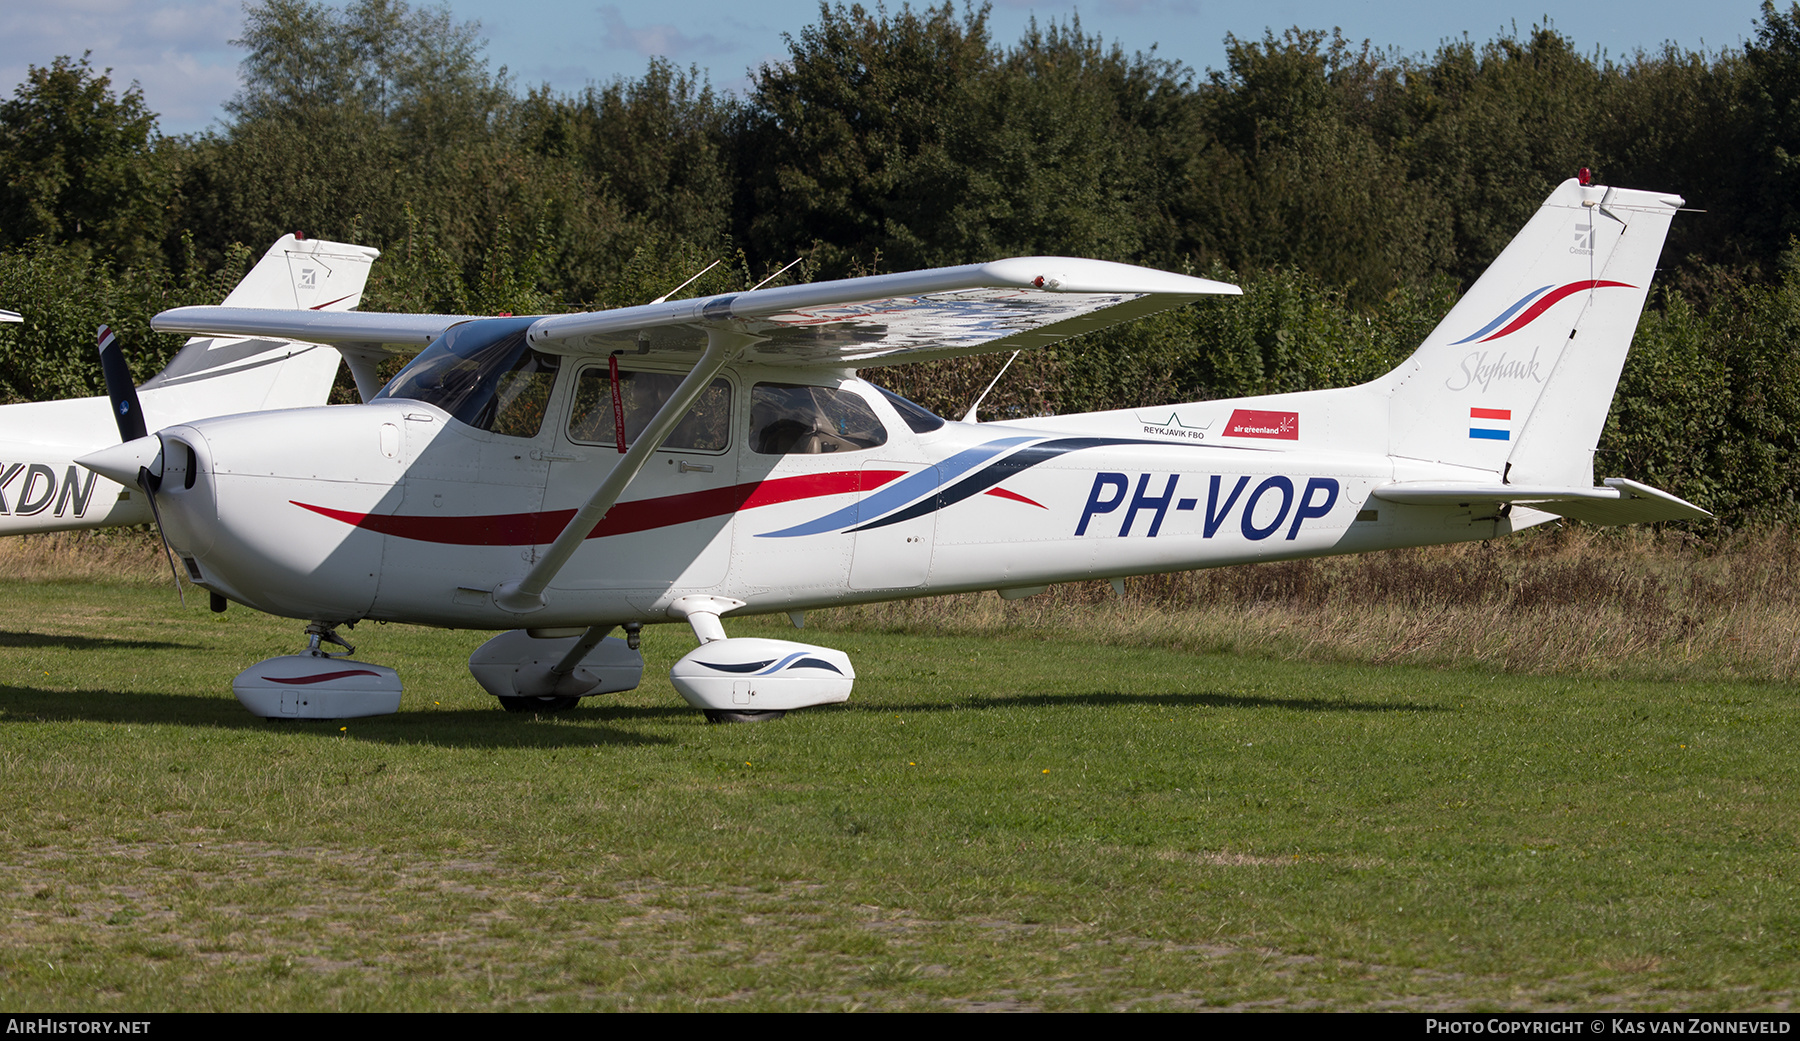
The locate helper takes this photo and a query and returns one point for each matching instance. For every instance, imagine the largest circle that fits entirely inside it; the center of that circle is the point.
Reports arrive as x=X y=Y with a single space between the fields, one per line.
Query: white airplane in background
x=561 y=476
x=41 y=487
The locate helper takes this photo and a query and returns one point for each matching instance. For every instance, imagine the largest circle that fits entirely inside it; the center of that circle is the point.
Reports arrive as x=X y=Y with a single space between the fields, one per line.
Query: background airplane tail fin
x=221 y=375
x=1518 y=377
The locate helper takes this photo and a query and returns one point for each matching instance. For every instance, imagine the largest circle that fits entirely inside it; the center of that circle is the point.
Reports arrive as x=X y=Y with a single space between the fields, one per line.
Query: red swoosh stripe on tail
x=1549 y=299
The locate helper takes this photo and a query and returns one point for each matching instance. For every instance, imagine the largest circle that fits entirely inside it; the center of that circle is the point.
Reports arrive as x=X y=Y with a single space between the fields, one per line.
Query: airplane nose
x=122 y=462
x=183 y=488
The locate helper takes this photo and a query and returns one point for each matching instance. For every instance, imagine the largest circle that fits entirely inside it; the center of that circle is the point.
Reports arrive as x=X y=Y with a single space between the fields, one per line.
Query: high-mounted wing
x=877 y=320
x=888 y=319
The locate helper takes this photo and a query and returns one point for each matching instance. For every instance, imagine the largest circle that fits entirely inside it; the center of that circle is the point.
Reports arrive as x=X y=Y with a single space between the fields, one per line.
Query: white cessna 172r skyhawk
x=41 y=488
x=562 y=476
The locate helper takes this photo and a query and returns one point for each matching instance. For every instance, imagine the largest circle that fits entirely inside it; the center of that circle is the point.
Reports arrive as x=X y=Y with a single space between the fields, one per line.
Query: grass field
x=1006 y=815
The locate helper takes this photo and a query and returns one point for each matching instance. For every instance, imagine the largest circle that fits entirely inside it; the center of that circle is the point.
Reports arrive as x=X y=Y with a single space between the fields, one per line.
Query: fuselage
x=787 y=491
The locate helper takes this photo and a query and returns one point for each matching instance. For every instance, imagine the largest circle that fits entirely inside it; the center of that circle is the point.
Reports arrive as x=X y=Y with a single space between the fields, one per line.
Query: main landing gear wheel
x=727 y=716
x=539 y=703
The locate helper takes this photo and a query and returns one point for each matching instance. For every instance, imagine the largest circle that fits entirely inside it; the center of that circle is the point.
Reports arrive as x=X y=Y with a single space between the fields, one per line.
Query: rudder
x=1518 y=377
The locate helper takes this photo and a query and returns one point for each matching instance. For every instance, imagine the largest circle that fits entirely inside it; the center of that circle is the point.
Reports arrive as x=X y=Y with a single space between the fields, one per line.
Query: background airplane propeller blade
x=130 y=417
x=126 y=410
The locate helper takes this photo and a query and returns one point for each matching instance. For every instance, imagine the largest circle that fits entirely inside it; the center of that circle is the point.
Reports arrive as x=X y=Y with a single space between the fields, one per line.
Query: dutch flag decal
x=1489 y=420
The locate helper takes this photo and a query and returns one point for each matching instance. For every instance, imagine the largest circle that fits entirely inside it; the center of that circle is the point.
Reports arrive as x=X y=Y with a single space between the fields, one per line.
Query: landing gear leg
x=319 y=633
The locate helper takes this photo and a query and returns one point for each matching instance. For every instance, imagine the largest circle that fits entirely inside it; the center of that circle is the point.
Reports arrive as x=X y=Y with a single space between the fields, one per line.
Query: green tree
x=80 y=164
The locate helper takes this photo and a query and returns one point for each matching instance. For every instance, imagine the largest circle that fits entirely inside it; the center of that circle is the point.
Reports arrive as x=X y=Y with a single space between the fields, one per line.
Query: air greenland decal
x=1250 y=422
x=1110 y=490
x=1539 y=300
x=1487 y=417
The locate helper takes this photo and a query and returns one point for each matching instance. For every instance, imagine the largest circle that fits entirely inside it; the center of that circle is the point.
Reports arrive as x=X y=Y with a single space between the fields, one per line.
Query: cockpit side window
x=483 y=374
x=791 y=419
x=705 y=428
x=921 y=419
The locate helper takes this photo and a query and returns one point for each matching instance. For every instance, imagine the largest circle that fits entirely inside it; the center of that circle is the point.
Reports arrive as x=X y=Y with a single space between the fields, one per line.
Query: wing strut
x=527 y=594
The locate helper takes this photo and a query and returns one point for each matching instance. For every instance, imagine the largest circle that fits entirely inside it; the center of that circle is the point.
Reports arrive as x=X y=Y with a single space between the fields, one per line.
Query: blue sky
x=180 y=50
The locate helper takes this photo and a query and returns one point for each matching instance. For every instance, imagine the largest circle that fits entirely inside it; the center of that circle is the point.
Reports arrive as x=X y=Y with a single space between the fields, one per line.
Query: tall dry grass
x=1627 y=602
x=1630 y=602
x=130 y=555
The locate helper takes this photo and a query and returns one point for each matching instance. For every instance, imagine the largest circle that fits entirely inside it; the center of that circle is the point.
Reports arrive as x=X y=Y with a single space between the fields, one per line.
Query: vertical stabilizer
x=1518 y=378
x=222 y=375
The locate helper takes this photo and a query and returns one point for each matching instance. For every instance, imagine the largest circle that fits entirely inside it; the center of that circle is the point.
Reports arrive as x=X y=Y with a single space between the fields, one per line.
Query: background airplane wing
x=356 y=330
x=857 y=322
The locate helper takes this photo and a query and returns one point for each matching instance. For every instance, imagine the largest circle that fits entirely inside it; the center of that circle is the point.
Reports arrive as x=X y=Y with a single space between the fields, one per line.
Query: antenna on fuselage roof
x=776 y=275
x=969 y=416
x=665 y=297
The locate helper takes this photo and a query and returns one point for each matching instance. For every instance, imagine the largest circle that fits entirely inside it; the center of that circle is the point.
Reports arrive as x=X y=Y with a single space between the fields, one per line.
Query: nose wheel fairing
x=316 y=685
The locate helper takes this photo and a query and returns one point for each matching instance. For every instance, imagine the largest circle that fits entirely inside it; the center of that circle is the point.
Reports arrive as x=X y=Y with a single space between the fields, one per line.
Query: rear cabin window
x=705 y=428
x=791 y=419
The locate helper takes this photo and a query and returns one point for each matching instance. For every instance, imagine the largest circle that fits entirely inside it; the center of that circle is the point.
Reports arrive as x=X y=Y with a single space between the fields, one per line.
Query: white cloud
x=666 y=41
x=179 y=52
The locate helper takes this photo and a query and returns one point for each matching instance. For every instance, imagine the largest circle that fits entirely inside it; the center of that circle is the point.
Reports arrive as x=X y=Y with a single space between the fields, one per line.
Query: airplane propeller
x=129 y=414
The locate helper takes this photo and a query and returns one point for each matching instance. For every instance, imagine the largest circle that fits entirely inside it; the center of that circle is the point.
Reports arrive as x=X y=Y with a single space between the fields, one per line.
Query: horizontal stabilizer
x=1619 y=501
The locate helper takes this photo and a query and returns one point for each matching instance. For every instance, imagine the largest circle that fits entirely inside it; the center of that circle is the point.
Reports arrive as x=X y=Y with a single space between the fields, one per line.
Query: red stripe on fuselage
x=536 y=529
x=1016 y=497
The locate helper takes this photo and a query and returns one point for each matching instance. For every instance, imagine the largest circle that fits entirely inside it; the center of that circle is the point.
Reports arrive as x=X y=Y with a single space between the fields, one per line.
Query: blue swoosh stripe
x=901 y=492
x=749 y=666
x=1504 y=315
x=778 y=666
x=975 y=484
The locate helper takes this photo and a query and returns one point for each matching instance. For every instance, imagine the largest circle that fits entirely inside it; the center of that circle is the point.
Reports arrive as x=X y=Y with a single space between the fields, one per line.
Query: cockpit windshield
x=483 y=374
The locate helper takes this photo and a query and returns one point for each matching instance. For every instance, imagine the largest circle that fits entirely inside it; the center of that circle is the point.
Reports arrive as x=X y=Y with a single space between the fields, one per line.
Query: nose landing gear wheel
x=722 y=716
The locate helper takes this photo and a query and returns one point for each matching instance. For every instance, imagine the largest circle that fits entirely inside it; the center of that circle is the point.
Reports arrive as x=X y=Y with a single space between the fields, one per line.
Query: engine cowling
x=752 y=675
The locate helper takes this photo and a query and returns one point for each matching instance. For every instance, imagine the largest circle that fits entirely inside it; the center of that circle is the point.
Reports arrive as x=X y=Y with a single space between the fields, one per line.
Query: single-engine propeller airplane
x=562 y=476
x=41 y=488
